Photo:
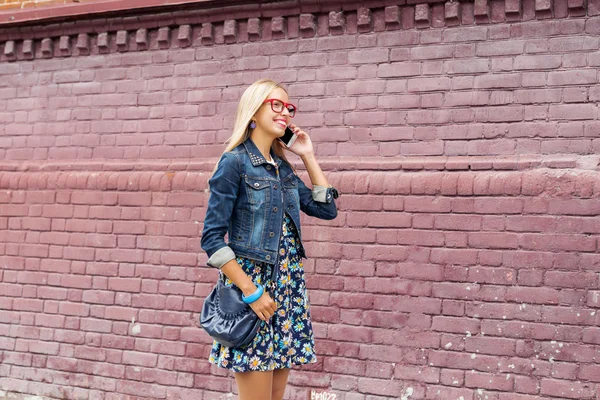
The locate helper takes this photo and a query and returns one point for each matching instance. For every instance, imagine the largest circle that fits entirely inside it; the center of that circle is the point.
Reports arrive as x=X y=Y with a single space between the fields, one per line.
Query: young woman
x=256 y=198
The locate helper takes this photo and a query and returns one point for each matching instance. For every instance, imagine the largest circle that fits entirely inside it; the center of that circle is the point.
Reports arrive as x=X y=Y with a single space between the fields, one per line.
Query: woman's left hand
x=303 y=145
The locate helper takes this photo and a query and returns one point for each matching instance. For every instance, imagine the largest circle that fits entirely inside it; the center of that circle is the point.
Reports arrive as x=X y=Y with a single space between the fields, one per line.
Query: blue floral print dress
x=287 y=338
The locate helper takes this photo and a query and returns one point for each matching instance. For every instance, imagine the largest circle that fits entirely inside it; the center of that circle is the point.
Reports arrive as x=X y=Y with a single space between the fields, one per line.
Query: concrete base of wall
x=19 y=396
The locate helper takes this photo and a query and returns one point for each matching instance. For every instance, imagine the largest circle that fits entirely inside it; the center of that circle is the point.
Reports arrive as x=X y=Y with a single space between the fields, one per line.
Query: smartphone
x=289 y=137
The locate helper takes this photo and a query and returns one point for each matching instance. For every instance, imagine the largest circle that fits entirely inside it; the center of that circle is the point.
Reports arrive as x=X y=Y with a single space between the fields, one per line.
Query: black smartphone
x=289 y=137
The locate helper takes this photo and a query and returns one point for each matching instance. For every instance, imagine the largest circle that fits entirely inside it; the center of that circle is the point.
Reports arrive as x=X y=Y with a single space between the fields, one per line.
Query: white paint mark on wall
x=407 y=394
x=136 y=328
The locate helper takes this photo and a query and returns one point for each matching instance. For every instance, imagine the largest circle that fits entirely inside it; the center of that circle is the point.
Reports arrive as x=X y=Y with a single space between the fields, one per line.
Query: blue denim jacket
x=248 y=198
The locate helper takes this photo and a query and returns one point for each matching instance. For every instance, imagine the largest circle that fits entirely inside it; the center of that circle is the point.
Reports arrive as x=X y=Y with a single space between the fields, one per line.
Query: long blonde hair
x=252 y=99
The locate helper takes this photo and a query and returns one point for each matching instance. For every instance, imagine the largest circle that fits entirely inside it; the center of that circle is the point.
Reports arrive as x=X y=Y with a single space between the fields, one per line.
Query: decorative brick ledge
x=332 y=163
x=274 y=21
x=577 y=184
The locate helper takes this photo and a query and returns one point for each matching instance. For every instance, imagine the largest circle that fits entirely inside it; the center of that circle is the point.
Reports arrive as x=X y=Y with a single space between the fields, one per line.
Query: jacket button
x=267 y=257
x=257 y=184
x=271 y=234
x=268 y=167
x=274 y=209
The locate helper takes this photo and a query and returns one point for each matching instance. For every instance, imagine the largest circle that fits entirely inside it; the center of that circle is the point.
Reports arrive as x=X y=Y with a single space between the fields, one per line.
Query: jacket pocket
x=255 y=188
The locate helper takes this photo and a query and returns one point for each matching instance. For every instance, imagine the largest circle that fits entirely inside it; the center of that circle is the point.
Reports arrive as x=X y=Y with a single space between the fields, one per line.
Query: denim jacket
x=248 y=198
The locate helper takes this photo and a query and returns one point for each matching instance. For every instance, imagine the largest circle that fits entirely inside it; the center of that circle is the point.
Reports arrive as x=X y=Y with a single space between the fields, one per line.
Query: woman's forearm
x=236 y=274
x=314 y=170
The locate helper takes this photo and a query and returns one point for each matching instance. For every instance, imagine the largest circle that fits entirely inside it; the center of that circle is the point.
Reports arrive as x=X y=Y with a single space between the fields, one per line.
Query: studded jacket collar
x=256 y=157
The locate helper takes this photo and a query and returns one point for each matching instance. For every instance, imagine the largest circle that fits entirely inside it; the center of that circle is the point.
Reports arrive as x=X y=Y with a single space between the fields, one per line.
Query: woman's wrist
x=254 y=296
x=248 y=289
x=307 y=157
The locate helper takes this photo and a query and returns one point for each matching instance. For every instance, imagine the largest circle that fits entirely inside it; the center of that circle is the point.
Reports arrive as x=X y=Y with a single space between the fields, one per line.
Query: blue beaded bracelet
x=254 y=296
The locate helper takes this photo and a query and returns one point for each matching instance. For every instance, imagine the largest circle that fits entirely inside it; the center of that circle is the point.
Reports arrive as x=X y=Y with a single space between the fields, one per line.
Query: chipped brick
x=422 y=15
x=337 y=20
x=206 y=33
x=278 y=25
x=47 y=47
x=64 y=45
x=452 y=12
x=28 y=48
x=184 y=35
x=254 y=28
x=308 y=24
x=230 y=30
x=122 y=40
x=512 y=7
x=141 y=37
x=83 y=43
x=163 y=37
x=392 y=15
x=481 y=8
x=103 y=45
x=364 y=19
x=9 y=49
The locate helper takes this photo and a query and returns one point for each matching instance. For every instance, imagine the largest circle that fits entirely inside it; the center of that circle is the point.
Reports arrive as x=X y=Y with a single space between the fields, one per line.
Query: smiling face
x=271 y=122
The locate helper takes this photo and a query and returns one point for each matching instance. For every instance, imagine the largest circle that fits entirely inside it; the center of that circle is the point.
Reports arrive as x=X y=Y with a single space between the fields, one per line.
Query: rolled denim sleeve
x=224 y=187
x=317 y=202
x=320 y=194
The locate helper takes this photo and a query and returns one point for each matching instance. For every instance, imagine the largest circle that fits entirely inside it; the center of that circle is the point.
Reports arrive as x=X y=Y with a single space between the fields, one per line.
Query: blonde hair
x=252 y=99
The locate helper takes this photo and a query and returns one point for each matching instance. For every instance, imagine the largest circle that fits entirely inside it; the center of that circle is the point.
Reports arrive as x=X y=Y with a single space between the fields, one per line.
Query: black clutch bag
x=227 y=319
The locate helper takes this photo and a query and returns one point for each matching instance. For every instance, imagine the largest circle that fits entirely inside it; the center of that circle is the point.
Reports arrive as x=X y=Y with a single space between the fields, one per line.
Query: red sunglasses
x=277 y=106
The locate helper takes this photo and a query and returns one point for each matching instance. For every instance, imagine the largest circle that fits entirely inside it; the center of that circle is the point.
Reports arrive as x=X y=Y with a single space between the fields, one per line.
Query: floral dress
x=286 y=339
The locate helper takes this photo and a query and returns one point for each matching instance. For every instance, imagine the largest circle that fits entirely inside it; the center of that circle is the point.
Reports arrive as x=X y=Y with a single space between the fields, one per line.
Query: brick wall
x=463 y=137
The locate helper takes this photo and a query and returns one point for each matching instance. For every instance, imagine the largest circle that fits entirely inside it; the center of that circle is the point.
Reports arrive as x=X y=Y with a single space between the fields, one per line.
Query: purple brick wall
x=462 y=136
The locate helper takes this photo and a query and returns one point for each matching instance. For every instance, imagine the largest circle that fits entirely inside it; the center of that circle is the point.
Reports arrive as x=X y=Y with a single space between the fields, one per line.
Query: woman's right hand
x=264 y=307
